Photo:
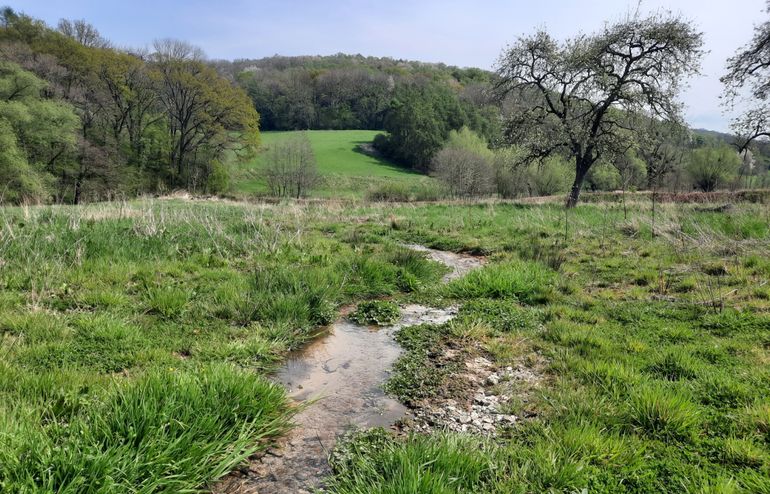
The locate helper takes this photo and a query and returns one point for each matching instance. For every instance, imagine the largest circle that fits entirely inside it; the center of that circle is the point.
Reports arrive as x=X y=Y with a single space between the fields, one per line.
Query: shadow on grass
x=365 y=148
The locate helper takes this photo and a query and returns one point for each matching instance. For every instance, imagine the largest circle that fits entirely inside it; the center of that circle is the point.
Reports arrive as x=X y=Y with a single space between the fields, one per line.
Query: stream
x=342 y=372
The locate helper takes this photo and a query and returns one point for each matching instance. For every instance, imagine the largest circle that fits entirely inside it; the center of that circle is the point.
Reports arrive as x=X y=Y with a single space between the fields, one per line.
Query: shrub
x=465 y=173
x=712 y=167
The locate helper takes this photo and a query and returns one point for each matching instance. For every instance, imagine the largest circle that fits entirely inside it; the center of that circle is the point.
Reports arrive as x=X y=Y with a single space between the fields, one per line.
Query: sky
x=465 y=33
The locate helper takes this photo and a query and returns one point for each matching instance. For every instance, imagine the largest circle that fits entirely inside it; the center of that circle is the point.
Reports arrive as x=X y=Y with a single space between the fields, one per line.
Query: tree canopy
x=91 y=122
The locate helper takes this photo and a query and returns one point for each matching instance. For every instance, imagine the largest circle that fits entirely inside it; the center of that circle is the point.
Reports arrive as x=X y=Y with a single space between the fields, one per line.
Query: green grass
x=656 y=349
x=134 y=338
x=166 y=431
x=134 y=341
x=346 y=171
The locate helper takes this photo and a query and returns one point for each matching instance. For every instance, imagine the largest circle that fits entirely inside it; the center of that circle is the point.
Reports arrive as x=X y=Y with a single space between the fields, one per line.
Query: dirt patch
x=479 y=397
x=460 y=264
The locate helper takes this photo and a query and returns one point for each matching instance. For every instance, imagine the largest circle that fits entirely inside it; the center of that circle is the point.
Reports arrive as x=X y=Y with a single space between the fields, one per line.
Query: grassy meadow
x=656 y=350
x=346 y=171
x=136 y=337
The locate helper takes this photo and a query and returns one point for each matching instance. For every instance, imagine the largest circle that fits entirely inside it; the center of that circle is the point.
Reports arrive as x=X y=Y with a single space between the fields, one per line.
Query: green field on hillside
x=346 y=170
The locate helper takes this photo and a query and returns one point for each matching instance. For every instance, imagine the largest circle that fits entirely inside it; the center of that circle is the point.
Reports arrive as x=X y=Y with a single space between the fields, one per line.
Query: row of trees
x=338 y=91
x=82 y=120
x=608 y=102
x=469 y=168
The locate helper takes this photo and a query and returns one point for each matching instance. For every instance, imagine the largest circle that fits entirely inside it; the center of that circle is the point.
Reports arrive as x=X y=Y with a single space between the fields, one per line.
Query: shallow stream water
x=343 y=372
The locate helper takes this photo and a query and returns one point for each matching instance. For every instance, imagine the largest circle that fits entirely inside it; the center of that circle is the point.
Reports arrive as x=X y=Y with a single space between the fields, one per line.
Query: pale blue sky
x=465 y=33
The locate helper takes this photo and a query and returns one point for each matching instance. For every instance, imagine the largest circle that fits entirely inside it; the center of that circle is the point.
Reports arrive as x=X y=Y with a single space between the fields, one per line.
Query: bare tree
x=465 y=172
x=575 y=97
x=174 y=50
x=748 y=82
x=83 y=32
x=291 y=169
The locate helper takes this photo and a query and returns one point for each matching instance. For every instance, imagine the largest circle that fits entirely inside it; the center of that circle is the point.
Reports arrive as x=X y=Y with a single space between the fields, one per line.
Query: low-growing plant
x=742 y=453
x=167 y=301
x=674 y=365
x=450 y=464
x=170 y=430
x=376 y=312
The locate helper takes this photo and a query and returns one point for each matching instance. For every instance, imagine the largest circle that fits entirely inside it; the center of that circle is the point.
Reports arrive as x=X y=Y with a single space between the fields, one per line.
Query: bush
x=465 y=173
x=550 y=177
x=712 y=167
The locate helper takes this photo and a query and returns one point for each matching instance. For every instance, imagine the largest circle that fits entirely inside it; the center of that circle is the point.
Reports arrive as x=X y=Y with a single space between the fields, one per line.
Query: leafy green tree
x=712 y=167
x=20 y=181
x=418 y=123
x=465 y=138
x=38 y=134
x=207 y=116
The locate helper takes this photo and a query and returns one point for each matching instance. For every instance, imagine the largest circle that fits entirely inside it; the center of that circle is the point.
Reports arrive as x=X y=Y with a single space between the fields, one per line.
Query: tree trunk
x=581 y=169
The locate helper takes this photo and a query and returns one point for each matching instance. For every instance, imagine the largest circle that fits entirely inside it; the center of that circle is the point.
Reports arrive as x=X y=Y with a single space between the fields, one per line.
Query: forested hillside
x=417 y=103
x=81 y=120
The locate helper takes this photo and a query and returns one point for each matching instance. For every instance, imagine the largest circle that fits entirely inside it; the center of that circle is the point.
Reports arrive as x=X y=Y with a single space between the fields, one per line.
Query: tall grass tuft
x=168 y=431
x=662 y=414
x=527 y=281
x=369 y=462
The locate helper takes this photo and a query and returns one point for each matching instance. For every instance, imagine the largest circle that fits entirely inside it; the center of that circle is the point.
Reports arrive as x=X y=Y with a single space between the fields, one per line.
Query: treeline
x=468 y=168
x=82 y=120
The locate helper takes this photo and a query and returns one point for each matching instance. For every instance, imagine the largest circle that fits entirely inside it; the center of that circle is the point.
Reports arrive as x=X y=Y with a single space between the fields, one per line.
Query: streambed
x=342 y=373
